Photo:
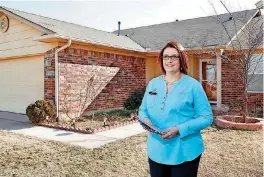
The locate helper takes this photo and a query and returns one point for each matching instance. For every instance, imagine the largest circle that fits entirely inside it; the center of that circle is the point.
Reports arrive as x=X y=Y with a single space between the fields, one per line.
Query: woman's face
x=171 y=60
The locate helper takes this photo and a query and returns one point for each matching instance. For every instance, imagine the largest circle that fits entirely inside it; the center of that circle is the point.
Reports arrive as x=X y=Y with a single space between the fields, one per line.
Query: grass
x=229 y=153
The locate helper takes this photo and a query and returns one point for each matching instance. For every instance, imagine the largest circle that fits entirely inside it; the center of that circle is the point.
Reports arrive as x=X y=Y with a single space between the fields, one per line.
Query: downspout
x=219 y=77
x=57 y=73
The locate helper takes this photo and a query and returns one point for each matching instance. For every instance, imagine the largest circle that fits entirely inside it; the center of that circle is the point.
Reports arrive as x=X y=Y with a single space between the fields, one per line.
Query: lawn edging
x=79 y=130
x=223 y=122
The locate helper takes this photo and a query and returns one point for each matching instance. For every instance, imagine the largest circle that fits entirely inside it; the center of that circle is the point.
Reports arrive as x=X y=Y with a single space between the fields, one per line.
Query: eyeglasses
x=172 y=58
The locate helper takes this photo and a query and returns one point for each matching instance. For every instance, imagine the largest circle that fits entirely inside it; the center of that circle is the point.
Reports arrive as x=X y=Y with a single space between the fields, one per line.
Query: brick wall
x=256 y=98
x=49 y=81
x=131 y=75
x=255 y=103
x=80 y=85
x=232 y=87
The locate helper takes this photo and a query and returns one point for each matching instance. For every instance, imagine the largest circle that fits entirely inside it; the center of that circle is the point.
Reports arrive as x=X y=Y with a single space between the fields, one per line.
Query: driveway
x=14 y=121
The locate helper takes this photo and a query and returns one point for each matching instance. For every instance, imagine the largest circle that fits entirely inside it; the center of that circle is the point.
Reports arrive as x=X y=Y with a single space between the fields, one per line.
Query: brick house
x=40 y=57
x=27 y=60
x=204 y=38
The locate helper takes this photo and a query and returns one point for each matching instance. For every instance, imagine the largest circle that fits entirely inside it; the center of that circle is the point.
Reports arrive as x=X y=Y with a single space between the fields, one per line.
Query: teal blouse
x=185 y=106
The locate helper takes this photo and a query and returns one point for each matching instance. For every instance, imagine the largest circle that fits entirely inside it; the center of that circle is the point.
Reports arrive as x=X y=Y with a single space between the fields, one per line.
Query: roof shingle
x=197 y=32
x=75 y=31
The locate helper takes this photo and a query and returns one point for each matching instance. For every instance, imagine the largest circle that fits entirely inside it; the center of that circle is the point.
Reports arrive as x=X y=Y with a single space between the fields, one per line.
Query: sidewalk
x=85 y=140
x=18 y=123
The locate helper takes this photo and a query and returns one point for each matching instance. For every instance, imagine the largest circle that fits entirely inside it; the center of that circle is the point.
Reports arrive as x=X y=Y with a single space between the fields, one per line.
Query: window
x=256 y=82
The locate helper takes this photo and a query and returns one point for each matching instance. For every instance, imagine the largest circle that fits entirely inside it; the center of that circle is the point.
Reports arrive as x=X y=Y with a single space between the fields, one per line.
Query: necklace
x=171 y=83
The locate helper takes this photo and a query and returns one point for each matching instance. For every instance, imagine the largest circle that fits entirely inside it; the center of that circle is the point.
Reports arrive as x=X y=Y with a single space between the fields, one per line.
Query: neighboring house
x=30 y=47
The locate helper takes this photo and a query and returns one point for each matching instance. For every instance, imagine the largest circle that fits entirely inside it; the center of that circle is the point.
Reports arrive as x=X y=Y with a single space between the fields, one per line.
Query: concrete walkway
x=19 y=123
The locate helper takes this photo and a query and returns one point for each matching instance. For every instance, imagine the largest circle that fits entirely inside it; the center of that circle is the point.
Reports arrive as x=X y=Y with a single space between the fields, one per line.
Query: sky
x=104 y=15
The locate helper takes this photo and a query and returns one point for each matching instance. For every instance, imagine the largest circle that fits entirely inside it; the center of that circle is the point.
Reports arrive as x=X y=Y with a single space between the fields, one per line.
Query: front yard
x=229 y=153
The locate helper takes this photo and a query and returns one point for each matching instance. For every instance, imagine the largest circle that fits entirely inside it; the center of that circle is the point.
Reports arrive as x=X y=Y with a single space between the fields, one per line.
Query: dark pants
x=186 y=169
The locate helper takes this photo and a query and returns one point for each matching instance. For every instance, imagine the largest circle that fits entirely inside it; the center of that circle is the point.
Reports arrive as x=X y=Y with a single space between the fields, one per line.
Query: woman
x=177 y=104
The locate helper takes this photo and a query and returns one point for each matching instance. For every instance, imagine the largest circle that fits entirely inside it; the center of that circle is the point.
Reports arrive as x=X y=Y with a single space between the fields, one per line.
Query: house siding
x=19 y=40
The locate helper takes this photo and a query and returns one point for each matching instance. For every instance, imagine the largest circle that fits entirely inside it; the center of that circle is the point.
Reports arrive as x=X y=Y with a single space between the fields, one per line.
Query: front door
x=208 y=78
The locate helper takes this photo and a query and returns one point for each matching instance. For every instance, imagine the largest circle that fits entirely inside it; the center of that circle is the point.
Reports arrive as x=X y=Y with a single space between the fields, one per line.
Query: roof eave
x=57 y=37
x=196 y=48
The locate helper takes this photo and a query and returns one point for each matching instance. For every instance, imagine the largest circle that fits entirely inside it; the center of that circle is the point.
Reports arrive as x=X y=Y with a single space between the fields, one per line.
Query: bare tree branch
x=234 y=21
x=218 y=19
x=244 y=47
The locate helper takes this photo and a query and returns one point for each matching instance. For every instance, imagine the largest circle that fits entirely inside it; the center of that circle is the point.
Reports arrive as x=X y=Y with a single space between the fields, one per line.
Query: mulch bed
x=90 y=125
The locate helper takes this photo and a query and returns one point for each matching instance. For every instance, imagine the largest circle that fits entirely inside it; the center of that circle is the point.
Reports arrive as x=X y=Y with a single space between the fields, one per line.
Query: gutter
x=57 y=74
x=89 y=41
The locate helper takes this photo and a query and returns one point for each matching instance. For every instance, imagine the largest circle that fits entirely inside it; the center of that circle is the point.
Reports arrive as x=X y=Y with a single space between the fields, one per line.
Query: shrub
x=41 y=110
x=134 y=100
x=121 y=112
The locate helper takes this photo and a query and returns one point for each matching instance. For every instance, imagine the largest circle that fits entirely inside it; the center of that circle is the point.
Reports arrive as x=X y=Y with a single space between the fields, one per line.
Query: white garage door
x=21 y=83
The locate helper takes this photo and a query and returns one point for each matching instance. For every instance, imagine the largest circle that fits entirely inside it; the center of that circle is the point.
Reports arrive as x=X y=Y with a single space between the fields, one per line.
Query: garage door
x=21 y=83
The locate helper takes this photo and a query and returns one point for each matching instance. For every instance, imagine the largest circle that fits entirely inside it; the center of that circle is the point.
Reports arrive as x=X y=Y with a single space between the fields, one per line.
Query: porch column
x=219 y=79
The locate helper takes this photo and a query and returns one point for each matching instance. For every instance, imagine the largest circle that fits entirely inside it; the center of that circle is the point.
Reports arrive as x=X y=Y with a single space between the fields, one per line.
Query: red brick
x=130 y=77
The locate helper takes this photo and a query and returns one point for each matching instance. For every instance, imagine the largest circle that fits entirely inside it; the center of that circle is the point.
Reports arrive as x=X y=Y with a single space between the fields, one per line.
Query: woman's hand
x=170 y=133
x=147 y=121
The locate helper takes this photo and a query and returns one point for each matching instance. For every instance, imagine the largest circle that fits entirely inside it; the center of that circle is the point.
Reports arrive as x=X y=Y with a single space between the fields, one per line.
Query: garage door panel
x=21 y=83
x=21 y=95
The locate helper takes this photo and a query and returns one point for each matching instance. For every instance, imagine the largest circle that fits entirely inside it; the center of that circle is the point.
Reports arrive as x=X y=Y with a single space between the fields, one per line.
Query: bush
x=134 y=100
x=121 y=112
x=41 y=110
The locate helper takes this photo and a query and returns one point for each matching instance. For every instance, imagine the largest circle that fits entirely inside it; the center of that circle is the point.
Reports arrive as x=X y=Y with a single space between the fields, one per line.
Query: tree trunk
x=245 y=105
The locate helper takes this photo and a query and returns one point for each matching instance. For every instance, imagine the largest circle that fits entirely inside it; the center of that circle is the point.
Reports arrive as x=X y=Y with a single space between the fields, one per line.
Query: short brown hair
x=183 y=57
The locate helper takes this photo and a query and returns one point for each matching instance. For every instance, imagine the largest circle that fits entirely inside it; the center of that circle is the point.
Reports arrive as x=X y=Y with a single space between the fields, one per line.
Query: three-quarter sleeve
x=203 y=113
x=142 y=111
